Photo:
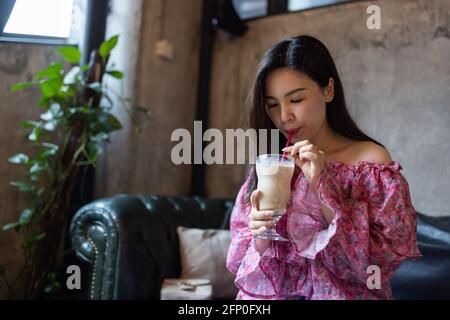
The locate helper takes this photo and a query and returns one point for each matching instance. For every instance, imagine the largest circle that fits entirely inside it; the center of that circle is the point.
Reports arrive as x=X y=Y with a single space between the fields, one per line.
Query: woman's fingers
x=309 y=155
x=255 y=225
x=300 y=151
x=296 y=147
x=264 y=215
x=259 y=231
x=259 y=220
x=254 y=199
x=309 y=147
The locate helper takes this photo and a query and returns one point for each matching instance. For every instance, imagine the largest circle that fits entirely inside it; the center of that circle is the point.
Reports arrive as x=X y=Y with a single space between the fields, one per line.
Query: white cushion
x=203 y=254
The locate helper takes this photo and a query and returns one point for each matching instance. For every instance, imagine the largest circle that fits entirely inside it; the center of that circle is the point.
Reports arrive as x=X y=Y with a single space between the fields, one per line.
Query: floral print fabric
x=374 y=224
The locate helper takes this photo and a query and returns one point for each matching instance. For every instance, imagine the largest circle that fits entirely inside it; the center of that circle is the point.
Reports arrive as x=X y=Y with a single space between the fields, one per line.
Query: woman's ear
x=329 y=90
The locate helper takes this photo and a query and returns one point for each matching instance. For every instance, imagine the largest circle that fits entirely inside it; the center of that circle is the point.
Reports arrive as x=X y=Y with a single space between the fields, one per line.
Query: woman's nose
x=286 y=114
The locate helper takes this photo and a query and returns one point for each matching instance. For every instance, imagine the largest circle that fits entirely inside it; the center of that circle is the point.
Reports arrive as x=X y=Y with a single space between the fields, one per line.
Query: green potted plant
x=68 y=138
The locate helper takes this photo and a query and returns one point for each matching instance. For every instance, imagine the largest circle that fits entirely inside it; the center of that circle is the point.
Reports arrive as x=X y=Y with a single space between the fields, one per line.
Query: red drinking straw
x=290 y=134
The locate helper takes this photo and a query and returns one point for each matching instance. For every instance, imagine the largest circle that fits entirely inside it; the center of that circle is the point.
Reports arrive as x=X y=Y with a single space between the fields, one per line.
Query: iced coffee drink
x=274 y=181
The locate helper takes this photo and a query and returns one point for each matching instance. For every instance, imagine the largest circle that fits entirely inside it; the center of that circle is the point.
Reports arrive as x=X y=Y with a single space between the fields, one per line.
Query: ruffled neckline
x=364 y=164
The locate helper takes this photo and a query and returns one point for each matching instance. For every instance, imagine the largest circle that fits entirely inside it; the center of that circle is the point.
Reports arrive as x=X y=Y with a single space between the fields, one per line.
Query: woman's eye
x=296 y=100
x=271 y=105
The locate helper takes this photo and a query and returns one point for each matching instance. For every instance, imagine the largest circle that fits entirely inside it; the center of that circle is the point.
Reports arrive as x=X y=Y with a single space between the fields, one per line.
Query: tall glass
x=274 y=181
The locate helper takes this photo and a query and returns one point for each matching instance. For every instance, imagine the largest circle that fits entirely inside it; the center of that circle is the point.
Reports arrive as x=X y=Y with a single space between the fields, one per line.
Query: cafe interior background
x=184 y=62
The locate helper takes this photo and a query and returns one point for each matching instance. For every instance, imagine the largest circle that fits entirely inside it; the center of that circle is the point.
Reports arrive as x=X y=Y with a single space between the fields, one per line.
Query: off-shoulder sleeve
x=376 y=225
x=270 y=275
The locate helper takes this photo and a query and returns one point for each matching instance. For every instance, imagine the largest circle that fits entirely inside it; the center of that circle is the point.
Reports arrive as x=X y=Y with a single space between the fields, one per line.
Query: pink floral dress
x=374 y=224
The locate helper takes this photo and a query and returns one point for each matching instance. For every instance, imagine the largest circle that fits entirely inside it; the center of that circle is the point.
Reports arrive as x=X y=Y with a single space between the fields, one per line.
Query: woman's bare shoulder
x=370 y=151
x=353 y=152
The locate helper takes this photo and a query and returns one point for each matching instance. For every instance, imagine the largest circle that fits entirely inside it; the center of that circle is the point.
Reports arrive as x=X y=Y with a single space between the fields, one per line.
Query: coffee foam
x=273 y=168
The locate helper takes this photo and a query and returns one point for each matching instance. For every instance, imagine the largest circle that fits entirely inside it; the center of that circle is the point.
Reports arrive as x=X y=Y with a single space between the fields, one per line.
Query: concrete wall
x=124 y=19
x=141 y=162
x=396 y=82
x=18 y=63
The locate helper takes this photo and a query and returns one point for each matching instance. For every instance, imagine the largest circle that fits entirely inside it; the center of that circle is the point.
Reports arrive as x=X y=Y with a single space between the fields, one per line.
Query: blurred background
x=195 y=60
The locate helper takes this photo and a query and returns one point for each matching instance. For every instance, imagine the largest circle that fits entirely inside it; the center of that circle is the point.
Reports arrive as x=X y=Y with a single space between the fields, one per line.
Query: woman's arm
x=327 y=212
x=262 y=245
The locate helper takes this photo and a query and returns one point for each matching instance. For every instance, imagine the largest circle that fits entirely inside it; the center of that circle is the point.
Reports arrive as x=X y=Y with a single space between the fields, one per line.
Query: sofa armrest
x=108 y=234
x=427 y=277
x=94 y=239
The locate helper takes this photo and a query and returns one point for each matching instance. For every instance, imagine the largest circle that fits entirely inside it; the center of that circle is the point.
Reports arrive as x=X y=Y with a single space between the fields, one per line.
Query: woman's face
x=294 y=102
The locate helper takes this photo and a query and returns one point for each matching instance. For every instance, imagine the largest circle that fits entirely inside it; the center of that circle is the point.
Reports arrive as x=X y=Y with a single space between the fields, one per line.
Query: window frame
x=6 y=6
x=322 y=5
x=279 y=7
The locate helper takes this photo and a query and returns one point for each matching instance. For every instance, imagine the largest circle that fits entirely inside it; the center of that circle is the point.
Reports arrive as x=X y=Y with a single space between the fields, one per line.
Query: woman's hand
x=310 y=159
x=260 y=221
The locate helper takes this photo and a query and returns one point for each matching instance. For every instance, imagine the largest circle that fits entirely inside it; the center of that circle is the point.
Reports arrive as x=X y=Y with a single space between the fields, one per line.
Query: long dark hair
x=309 y=56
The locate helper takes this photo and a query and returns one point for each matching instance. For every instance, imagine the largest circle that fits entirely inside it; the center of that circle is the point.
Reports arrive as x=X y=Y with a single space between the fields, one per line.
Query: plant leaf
x=144 y=110
x=50 y=88
x=21 y=86
x=35 y=133
x=116 y=74
x=51 y=125
x=96 y=86
x=104 y=122
x=52 y=71
x=72 y=76
x=52 y=149
x=36 y=168
x=10 y=226
x=19 y=158
x=84 y=67
x=70 y=54
x=22 y=186
x=56 y=285
x=47 y=116
x=39 y=192
x=25 y=216
x=39 y=236
x=82 y=110
x=68 y=91
x=107 y=46
x=51 y=276
x=32 y=238
x=44 y=154
x=29 y=124
x=44 y=102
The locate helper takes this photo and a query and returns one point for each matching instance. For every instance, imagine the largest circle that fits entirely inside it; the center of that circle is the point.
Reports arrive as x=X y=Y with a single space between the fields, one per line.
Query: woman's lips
x=293 y=132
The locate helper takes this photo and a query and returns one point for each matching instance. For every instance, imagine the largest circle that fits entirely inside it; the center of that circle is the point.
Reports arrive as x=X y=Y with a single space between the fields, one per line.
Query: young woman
x=350 y=221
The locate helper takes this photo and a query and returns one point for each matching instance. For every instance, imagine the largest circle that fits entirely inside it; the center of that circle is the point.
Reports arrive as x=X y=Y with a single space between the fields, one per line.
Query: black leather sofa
x=128 y=244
